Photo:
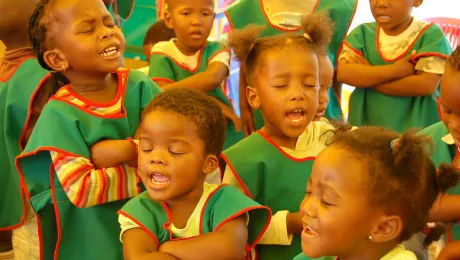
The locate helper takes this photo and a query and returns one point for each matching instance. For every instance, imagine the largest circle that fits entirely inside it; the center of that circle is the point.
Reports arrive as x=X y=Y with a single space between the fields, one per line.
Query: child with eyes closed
x=82 y=130
x=180 y=216
x=272 y=165
x=364 y=197
x=281 y=16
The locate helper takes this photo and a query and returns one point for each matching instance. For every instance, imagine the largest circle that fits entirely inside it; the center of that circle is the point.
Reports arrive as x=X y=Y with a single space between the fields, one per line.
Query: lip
x=197 y=35
x=299 y=122
x=383 y=19
x=117 y=53
x=309 y=232
x=156 y=185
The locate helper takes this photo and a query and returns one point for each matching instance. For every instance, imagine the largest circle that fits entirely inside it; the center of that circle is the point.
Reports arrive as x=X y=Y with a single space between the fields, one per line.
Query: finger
x=237 y=123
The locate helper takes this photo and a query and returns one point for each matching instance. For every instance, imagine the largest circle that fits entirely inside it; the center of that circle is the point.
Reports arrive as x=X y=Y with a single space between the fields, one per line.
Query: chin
x=311 y=252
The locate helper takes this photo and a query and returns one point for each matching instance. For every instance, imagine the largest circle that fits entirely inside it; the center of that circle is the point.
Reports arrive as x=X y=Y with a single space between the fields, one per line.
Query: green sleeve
x=232 y=204
x=434 y=43
x=355 y=39
x=149 y=90
x=160 y=68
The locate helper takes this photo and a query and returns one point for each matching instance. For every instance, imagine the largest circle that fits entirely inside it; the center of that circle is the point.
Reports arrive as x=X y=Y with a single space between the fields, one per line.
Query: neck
x=186 y=50
x=372 y=251
x=85 y=85
x=187 y=202
x=279 y=138
x=17 y=41
x=399 y=28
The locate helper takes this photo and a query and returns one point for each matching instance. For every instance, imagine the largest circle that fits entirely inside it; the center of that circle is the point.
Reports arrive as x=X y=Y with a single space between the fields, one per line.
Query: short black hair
x=197 y=107
x=158 y=32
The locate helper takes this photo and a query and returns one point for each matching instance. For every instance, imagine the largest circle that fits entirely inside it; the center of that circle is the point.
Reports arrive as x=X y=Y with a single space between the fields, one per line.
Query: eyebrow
x=91 y=19
x=330 y=190
x=172 y=140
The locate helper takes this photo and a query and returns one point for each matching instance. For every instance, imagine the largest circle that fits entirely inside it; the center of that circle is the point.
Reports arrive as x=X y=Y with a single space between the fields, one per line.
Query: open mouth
x=383 y=18
x=110 y=51
x=159 y=180
x=296 y=116
x=196 y=34
x=309 y=231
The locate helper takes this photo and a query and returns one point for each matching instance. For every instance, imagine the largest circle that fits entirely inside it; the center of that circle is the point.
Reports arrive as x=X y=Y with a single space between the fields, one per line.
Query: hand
x=111 y=153
x=404 y=67
x=450 y=252
x=294 y=223
x=230 y=114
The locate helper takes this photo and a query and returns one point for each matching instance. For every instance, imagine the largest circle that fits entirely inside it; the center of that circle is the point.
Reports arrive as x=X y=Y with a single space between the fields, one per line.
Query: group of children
x=92 y=148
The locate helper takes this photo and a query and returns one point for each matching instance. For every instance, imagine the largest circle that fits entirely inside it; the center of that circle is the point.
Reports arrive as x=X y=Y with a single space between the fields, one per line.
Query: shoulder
x=243 y=145
x=163 y=47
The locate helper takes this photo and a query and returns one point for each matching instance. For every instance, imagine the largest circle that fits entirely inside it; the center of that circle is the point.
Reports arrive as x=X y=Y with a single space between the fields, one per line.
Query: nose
x=106 y=34
x=382 y=3
x=157 y=157
x=308 y=208
x=196 y=19
x=297 y=92
x=323 y=96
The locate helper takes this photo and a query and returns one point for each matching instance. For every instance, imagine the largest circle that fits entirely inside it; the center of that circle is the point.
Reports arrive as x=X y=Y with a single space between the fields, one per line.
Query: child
x=365 y=197
x=450 y=252
x=191 y=61
x=158 y=32
x=272 y=165
x=23 y=95
x=75 y=196
x=284 y=16
x=447 y=142
x=180 y=216
x=326 y=75
x=377 y=59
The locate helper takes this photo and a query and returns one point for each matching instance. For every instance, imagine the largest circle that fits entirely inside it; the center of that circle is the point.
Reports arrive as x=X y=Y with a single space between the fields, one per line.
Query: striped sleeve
x=86 y=186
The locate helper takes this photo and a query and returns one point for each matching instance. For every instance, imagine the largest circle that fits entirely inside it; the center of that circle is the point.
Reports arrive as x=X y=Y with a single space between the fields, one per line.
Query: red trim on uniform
x=456 y=158
x=283 y=152
x=406 y=51
x=438 y=102
x=205 y=205
x=229 y=164
x=131 y=140
x=200 y=54
x=120 y=212
x=246 y=210
x=217 y=53
x=169 y=81
x=167 y=225
x=56 y=212
x=16 y=68
x=230 y=24
x=353 y=49
x=429 y=54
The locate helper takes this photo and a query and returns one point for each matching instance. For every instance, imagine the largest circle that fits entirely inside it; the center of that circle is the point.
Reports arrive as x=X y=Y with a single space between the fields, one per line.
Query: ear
x=168 y=20
x=253 y=97
x=387 y=228
x=211 y=164
x=55 y=60
x=418 y=3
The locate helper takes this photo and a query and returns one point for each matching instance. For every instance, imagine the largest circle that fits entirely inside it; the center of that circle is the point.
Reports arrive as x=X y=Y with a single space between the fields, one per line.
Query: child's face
x=191 y=21
x=172 y=160
x=336 y=215
x=450 y=105
x=286 y=90
x=326 y=74
x=85 y=38
x=393 y=16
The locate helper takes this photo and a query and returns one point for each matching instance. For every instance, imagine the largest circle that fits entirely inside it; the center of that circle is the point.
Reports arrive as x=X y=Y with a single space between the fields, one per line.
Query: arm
x=206 y=81
x=422 y=84
x=367 y=76
x=138 y=245
x=450 y=252
x=87 y=186
x=229 y=242
x=247 y=118
x=229 y=113
x=446 y=208
x=110 y=153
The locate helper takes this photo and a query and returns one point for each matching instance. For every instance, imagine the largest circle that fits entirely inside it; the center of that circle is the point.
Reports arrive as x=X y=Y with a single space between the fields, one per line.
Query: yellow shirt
x=399 y=253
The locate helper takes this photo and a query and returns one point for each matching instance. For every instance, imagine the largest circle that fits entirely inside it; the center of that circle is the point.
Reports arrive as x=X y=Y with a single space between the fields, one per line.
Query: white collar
x=449 y=139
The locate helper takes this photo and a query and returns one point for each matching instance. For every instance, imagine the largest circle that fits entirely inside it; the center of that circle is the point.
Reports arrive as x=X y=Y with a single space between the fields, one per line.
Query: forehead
x=290 y=60
x=77 y=9
x=163 y=123
x=172 y=4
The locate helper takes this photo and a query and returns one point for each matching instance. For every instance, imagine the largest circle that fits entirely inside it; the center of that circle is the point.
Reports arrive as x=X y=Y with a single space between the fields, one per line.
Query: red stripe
x=74 y=176
x=100 y=196
x=82 y=196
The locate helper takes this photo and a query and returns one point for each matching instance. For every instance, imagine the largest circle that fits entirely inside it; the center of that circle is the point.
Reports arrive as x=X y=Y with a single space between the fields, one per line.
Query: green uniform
x=164 y=67
x=271 y=178
x=341 y=13
x=16 y=96
x=223 y=204
x=68 y=232
x=444 y=153
x=369 y=107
